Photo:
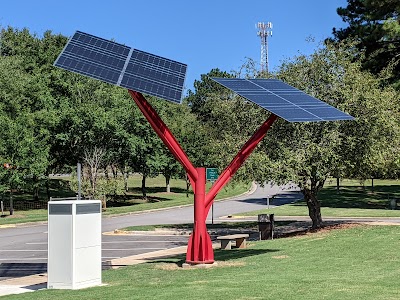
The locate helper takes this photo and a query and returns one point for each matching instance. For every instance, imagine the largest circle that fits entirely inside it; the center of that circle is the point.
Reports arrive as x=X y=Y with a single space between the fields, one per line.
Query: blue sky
x=203 y=34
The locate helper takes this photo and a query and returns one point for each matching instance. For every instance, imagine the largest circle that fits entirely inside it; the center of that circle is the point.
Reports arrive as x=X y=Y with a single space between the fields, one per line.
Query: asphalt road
x=23 y=249
x=180 y=215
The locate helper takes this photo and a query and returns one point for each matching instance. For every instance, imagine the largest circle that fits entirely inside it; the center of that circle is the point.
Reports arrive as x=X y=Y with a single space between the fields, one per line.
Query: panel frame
x=162 y=77
x=278 y=99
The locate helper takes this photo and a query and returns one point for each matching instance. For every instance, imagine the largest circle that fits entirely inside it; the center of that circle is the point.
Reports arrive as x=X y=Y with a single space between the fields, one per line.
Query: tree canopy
x=309 y=153
x=376 y=25
x=51 y=119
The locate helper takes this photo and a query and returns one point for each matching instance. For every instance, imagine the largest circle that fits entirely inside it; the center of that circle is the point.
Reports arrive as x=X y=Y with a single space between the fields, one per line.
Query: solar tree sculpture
x=142 y=72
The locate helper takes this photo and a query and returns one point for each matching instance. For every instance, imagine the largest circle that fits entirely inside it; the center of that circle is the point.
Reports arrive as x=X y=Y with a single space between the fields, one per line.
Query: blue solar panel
x=123 y=66
x=143 y=67
x=283 y=100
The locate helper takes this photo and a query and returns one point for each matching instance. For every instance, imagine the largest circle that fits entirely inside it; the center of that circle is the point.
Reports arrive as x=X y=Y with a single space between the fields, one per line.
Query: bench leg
x=226 y=244
x=241 y=243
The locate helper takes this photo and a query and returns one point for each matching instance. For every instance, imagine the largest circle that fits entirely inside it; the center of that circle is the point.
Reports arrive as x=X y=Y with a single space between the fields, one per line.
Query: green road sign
x=212 y=174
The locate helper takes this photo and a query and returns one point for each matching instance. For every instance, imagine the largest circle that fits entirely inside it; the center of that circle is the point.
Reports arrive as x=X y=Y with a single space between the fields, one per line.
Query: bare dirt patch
x=231 y=263
x=341 y=226
x=299 y=229
x=280 y=257
x=167 y=267
x=199 y=282
x=382 y=223
x=218 y=264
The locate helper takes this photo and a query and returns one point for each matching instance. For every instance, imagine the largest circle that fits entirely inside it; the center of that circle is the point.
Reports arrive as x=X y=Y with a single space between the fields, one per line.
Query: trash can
x=74 y=244
x=266 y=226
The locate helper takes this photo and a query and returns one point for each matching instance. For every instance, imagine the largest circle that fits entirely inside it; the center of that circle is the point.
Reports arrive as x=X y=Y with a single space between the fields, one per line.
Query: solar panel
x=283 y=100
x=123 y=66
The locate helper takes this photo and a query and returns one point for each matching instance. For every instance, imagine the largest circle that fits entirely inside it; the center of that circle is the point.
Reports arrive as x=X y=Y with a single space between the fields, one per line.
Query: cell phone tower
x=264 y=31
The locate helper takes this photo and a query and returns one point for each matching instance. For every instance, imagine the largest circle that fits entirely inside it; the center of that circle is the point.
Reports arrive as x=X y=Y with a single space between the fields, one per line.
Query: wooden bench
x=239 y=238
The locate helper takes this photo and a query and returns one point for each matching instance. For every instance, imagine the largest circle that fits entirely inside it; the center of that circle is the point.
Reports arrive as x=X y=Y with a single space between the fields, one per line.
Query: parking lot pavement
x=118 y=250
x=32 y=257
x=117 y=246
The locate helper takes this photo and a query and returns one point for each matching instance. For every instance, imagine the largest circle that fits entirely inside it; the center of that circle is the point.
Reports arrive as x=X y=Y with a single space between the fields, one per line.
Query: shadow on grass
x=356 y=197
x=58 y=188
x=153 y=190
x=130 y=200
x=226 y=255
x=225 y=225
x=134 y=196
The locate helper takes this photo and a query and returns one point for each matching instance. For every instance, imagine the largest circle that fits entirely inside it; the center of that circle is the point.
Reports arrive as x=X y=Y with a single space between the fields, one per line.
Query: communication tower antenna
x=264 y=30
x=1 y=36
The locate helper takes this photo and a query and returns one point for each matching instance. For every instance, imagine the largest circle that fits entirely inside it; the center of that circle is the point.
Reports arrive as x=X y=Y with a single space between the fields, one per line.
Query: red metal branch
x=239 y=159
x=165 y=134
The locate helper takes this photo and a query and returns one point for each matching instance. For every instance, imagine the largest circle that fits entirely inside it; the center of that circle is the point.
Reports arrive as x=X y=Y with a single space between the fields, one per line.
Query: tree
x=26 y=62
x=24 y=135
x=202 y=88
x=308 y=154
x=375 y=24
x=190 y=134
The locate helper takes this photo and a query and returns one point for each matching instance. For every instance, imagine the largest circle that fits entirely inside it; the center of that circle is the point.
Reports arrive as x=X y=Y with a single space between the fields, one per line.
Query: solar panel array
x=283 y=100
x=123 y=66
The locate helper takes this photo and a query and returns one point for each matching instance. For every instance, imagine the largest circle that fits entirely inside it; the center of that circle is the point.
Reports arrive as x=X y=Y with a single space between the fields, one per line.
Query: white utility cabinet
x=74 y=244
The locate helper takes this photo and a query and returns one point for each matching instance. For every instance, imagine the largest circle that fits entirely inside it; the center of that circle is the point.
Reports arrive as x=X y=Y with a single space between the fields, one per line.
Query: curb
x=23 y=224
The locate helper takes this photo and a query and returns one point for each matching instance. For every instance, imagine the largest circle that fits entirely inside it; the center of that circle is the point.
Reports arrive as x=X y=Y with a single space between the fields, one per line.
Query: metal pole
x=79 y=181
x=212 y=214
x=11 y=203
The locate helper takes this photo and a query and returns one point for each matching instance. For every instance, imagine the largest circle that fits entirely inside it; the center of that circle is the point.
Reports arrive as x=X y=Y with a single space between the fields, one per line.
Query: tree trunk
x=314 y=208
x=103 y=202
x=106 y=173
x=48 y=187
x=36 y=193
x=337 y=184
x=35 y=188
x=114 y=170
x=144 y=186
x=187 y=185
x=126 y=176
x=93 y=159
x=167 y=183
x=11 y=203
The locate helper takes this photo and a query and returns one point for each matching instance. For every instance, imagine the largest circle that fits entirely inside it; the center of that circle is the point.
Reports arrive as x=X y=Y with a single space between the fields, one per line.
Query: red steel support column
x=200 y=249
x=239 y=159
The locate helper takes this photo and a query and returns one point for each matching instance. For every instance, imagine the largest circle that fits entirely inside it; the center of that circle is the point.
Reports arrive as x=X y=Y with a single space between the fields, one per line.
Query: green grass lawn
x=177 y=197
x=354 y=263
x=189 y=227
x=353 y=200
x=157 y=196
